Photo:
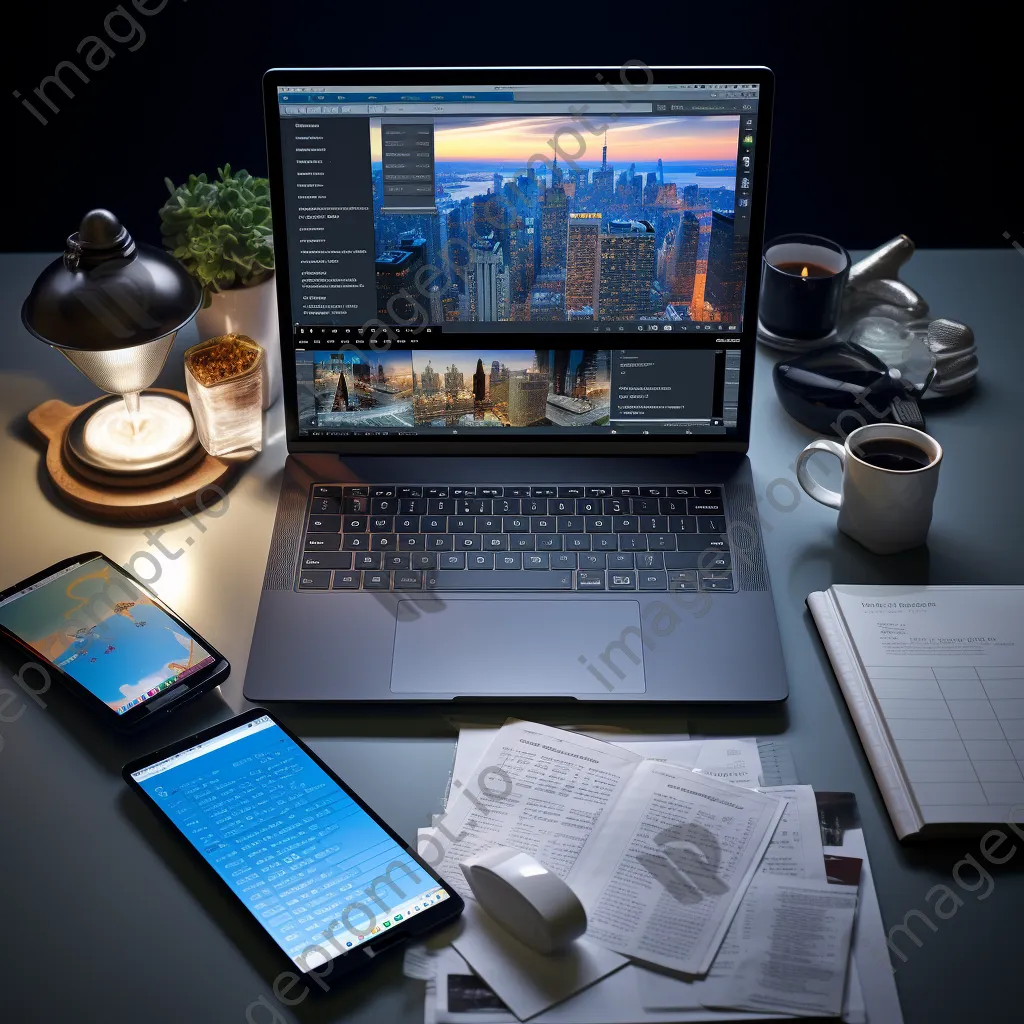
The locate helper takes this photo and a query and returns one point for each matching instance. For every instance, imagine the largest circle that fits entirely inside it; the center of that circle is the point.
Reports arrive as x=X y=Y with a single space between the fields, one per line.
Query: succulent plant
x=220 y=230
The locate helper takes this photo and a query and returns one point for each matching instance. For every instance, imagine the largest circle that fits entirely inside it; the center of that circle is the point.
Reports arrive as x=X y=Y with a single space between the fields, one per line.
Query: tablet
x=317 y=870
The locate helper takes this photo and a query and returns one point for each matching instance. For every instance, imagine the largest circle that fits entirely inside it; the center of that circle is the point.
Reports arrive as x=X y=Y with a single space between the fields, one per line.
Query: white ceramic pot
x=253 y=312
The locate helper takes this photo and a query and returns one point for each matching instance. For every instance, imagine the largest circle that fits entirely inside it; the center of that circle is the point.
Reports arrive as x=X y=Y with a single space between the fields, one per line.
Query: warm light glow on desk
x=163 y=432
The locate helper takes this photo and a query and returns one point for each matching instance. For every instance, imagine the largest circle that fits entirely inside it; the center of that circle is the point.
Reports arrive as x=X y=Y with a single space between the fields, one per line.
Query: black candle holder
x=802 y=282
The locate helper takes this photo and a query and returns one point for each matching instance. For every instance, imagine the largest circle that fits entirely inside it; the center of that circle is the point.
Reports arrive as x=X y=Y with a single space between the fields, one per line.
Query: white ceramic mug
x=886 y=510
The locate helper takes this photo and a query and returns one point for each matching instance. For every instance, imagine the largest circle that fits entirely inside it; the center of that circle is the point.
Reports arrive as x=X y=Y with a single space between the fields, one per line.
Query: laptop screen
x=546 y=259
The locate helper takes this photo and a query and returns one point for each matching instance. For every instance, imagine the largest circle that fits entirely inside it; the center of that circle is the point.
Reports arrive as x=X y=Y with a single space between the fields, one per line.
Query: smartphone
x=326 y=880
x=109 y=639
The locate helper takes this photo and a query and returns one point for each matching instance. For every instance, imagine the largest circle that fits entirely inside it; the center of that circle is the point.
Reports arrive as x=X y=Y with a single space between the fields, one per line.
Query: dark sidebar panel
x=329 y=218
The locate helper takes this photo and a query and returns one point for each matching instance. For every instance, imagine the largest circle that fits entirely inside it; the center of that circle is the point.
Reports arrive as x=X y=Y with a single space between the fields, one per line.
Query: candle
x=802 y=284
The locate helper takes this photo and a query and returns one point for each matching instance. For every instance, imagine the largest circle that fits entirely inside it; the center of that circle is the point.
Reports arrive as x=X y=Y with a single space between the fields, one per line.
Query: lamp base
x=119 y=497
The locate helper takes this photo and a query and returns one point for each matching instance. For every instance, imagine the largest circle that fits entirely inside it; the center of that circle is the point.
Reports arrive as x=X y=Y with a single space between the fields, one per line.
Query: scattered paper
x=675 y=854
x=795 y=849
x=536 y=789
x=794 y=945
x=528 y=982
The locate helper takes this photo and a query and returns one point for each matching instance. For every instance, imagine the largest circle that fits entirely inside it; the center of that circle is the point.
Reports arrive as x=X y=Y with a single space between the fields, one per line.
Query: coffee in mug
x=890 y=474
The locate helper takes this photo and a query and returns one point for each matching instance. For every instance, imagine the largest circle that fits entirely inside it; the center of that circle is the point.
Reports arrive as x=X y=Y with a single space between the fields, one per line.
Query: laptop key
x=315 y=579
x=383 y=541
x=515 y=524
x=644 y=506
x=480 y=560
x=508 y=560
x=652 y=579
x=649 y=560
x=441 y=580
x=423 y=560
x=706 y=507
x=382 y=524
x=463 y=492
x=434 y=524
x=462 y=524
x=570 y=524
x=590 y=579
x=572 y=491
x=453 y=560
x=715 y=560
x=517 y=492
x=323 y=524
x=535 y=560
x=653 y=492
x=686 y=586
x=707 y=492
x=440 y=542
x=407 y=524
x=382 y=491
x=592 y=560
x=488 y=524
x=633 y=541
x=441 y=506
x=356 y=506
x=490 y=492
x=716 y=581
x=654 y=524
x=625 y=524
x=474 y=506
x=599 y=524
x=588 y=507
x=354 y=490
x=508 y=507
x=561 y=507
x=672 y=506
x=621 y=579
x=326 y=491
x=683 y=576
x=549 y=542
x=410 y=579
x=412 y=542
x=412 y=506
x=682 y=559
x=327 y=560
x=577 y=542
x=598 y=492
x=542 y=524
x=710 y=524
x=322 y=541
x=325 y=506
x=436 y=492
x=383 y=507
x=604 y=542
x=394 y=561
x=564 y=560
x=682 y=524
x=544 y=492
x=495 y=541
x=355 y=524
x=356 y=541
x=369 y=560
x=615 y=506
x=410 y=492
x=347 y=580
x=620 y=560
x=626 y=492
x=468 y=542
x=680 y=492
x=521 y=542
x=661 y=541
x=377 y=580
x=700 y=542
x=534 y=506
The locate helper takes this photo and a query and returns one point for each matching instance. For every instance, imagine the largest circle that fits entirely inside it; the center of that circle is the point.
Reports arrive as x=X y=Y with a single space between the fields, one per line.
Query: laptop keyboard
x=382 y=537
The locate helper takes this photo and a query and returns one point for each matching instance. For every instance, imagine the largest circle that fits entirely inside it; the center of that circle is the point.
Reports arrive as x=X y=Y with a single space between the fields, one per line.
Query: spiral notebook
x=934 y=680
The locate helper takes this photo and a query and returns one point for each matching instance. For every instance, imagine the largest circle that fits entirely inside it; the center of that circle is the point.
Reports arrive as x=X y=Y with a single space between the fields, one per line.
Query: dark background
x=887 y=120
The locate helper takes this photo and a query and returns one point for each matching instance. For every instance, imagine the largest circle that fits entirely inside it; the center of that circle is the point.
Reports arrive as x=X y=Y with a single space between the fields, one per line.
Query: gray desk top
x=103 y=917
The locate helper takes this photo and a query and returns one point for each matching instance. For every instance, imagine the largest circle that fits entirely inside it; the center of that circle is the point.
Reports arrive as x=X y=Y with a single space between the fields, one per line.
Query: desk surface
x=95 y=895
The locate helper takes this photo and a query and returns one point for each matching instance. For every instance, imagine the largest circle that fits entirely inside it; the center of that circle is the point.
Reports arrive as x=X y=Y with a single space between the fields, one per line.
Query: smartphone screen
x=315 y=868
x=106 y=632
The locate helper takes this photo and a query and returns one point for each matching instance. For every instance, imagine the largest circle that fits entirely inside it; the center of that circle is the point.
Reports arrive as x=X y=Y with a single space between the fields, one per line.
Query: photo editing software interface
x=533 y=257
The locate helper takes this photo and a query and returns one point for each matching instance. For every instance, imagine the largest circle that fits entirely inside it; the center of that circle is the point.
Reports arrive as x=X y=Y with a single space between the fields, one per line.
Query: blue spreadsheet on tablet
x=311 y=865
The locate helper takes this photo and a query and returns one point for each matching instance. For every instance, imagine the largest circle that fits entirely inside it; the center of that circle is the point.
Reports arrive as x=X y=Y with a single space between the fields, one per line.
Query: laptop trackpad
x=493 y=647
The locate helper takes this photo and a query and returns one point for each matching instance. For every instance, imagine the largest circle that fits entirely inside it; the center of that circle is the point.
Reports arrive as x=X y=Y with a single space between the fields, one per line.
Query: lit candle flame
x=803 y=273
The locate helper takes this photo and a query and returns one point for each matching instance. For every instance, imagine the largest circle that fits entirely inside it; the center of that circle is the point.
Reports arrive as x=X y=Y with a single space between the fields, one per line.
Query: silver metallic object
x=888 y=317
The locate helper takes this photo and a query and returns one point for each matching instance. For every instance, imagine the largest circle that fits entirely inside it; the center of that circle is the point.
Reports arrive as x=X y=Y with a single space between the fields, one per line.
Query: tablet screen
x=103 y=630
x=318 y=872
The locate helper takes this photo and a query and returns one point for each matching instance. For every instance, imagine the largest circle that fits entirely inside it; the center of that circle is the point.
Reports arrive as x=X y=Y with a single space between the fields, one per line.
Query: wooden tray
x=116 y=502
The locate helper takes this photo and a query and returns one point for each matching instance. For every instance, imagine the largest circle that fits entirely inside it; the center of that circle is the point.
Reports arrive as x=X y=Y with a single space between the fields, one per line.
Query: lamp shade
x=111 y=306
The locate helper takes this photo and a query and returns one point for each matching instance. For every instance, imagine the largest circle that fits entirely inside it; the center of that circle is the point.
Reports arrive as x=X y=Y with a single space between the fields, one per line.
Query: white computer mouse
x=525 y=898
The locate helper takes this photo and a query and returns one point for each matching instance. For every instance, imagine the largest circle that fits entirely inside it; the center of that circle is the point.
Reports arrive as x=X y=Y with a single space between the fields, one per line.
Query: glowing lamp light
x=112 y=308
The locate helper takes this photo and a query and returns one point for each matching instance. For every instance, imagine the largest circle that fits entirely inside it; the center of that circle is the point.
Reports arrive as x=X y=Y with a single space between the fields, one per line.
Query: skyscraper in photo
x=560 y=382
x=486 y=265
x=527 y=398
x=454 y=381
x=554 y=231
x=661 y=172
x=681 y=260
x=479 y=382
x=726 y=269
x=583 y=262
x=627 y=270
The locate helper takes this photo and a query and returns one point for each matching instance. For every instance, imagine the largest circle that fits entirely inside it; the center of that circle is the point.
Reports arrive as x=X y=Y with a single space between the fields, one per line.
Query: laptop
x=517 y=311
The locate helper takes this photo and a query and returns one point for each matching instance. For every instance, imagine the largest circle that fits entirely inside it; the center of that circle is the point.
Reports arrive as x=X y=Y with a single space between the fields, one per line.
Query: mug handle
x=823 y=494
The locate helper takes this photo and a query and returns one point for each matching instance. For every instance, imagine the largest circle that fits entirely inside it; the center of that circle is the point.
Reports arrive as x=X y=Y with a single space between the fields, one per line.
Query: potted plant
x=221 y=232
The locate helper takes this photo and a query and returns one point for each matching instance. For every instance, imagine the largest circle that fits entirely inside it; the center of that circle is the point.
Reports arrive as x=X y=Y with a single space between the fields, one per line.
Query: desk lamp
x=112 y=308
